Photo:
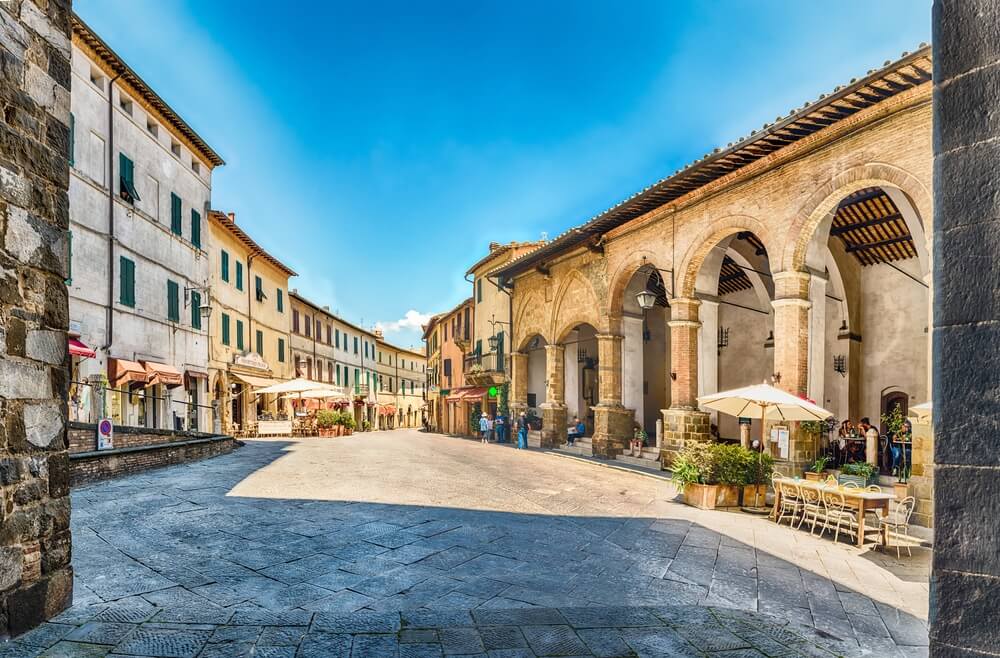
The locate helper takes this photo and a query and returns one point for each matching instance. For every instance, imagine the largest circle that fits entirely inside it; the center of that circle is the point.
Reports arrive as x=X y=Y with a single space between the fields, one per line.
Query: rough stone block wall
x=965 y=577
x=679 y=427
x=36 y=579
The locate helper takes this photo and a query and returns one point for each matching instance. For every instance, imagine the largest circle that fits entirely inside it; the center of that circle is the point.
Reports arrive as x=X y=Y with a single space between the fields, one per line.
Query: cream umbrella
x=319 y=394
x=922 y=412
x=296 y=386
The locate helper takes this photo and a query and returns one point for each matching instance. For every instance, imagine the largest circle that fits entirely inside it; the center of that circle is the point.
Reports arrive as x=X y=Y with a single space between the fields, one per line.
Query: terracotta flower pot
x=754 y=494
x=711 y=496
x=814 y=476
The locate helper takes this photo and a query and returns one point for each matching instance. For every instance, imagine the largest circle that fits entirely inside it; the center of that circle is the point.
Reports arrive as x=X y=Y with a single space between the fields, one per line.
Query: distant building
x=432 y=350
x=326 y=348
x=139 y=192
x=401 y=381
x=447 y=338
x=249 y=324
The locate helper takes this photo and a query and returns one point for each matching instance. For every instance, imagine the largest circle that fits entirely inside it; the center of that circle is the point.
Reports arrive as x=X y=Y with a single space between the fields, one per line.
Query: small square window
x=153 y=129
x=125 y=104
x=175 y=147
x=195 y=167
x=96 y=78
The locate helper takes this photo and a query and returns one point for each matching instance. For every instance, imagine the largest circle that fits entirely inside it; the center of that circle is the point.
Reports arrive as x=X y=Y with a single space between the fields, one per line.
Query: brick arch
x=707 y=238
x=623 y=275
x=529 y=319
x=575 y=303
x=831 y=193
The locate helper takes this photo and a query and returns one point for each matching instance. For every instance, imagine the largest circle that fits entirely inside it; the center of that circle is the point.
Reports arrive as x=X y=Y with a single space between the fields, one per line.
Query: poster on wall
x=105 y=434
x=779 y=435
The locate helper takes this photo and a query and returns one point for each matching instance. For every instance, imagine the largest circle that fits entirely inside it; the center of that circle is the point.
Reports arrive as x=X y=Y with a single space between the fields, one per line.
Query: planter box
x=325 y=431
x=813 y=476
x=857 y=479
x=711 y=496
x=754 y=494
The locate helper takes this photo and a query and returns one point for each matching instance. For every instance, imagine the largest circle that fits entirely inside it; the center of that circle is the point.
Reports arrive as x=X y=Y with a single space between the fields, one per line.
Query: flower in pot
x=816 y=472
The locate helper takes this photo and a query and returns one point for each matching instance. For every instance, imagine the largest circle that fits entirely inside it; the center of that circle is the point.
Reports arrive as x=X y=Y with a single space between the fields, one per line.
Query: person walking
x=484 y=428
x=501 y=429
x=522 y=431
x=489 y=429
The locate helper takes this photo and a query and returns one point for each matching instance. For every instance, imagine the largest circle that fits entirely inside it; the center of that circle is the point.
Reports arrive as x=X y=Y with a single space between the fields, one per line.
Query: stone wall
x=36 y=579
x=137 y=449
x=965 y=580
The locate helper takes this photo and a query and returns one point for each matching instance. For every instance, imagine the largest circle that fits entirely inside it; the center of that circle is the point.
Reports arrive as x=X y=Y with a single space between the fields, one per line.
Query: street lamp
x=646 y=299
x=493 y=341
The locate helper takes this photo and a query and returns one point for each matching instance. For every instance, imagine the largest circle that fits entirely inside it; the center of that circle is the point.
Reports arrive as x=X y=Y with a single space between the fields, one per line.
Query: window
x=225 y=329
x=355 y=344
x=338 y=374
x=281 y=350
x=319 y=330
x=126 y=179
x=366 y=349
x=125 y=104
x=175 y=214
x=357 y=378
x=239 y=335
x=309 y=368
x=295 y=321
x=337 y=337
x=319 y=370
x=126 y=273
x=96 y=78
x=259 y=336
x=195 y=309
x=329 y=336
x=447 y=367
x=173 y=302
x=281 y=300
x=308 y=323
x=380 y=357
x=195 y=167
x=152 y=128
x=225 y=266
x=258 y=287
x=467 y=325
x=479 y=290
x=500 y=367
x=196 y=228
x=72 y=132
x=239 y=275
x=175 y=147
x=329 y=372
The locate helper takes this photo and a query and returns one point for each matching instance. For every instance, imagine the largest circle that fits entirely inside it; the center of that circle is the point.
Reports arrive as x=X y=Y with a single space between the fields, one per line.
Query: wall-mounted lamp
x=840 y=364
x=723 y=341
x=776 y=378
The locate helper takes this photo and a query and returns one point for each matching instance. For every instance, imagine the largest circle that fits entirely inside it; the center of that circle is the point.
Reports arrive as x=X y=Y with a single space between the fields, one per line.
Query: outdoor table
x=859 y=499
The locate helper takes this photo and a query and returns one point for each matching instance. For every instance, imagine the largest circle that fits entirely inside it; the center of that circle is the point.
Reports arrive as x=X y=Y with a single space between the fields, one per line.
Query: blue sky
x=378 y=147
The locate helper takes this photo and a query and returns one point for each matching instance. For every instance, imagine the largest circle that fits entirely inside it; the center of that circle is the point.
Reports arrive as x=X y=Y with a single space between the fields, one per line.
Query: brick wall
x=137 y=449
x=36 y=579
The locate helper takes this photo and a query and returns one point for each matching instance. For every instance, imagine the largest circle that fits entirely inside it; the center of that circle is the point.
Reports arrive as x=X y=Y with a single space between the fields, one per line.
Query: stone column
x=518 y=400
x=817 y=339
x=708 y=349
x=36 y=579
x=632 y=365
x=791 y=358
x=965 y=576
x=683 y=422
x=554 y=407
x=612 y=421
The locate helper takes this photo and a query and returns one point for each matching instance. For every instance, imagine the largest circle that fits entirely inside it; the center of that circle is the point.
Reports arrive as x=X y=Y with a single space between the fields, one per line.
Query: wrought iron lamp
x=840 y=364
x=646 y=299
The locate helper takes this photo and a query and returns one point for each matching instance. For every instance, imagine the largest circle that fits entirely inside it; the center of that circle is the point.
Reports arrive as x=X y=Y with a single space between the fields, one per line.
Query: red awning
x=387 y=410
x=122 y=372
x=77 y=348
x=161 y=373
x=470 y=393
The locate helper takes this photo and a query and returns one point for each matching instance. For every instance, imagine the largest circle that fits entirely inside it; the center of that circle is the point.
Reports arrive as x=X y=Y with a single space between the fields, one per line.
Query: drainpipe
x=109 y=323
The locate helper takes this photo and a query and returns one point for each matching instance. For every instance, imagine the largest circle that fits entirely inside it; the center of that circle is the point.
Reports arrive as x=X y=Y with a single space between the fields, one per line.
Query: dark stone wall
x=36 y=580
x=965 y=581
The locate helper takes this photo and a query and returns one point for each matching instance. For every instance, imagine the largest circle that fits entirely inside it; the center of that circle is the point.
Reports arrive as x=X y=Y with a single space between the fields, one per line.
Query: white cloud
x=411 y=320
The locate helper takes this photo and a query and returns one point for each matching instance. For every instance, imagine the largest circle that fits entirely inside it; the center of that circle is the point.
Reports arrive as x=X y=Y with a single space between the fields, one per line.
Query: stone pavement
x=383 y=543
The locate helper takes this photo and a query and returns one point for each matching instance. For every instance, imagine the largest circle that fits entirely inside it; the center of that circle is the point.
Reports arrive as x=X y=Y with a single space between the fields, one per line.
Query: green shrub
x=819 y=465
x=721 y=463
x=861 y=469
x=326 y=418
x=731 y=463
x=346 y=419
x=760 y=465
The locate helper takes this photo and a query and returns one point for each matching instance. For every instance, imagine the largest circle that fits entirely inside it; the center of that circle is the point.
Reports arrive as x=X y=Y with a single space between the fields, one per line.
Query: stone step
x=580 y=448
x=649 y=463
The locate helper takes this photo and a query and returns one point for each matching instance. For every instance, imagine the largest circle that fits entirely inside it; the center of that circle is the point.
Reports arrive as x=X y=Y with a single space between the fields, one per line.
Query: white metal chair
x=851 y=485
x=838 y=515
x=897 y=521
x=791 y=501
x=874 y=488
x=812 y=508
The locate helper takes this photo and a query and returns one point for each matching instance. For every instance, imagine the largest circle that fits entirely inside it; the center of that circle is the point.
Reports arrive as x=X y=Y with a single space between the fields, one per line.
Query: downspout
x=110 y=312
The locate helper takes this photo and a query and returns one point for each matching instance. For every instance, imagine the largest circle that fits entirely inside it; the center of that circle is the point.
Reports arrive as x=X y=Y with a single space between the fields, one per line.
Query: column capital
x=792 y=284
x=552 y=347
x=684 y=308
x=610 y=337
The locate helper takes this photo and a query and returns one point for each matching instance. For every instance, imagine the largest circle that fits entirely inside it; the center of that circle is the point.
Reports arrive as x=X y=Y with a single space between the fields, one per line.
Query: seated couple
x=575 y=431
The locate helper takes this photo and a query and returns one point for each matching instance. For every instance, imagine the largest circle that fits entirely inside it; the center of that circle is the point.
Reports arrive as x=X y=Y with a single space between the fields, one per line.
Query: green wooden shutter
x=281 y=350
x=338 y=374
x=239 y=275
x=196 y=228
x=173 y=303
x=258 y=285
x=239 y=334
x=195 y=310
x=260 y=342
x=281 y=301
x=126 y=282
x=175 y=214
x=225 y=329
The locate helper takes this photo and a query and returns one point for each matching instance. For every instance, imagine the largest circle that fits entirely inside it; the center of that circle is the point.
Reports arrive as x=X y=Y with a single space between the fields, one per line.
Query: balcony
x=360 y=390
x=484 y=369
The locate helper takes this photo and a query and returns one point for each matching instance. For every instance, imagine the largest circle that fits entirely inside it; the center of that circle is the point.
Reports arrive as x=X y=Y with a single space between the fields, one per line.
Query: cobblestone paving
x=419 y=545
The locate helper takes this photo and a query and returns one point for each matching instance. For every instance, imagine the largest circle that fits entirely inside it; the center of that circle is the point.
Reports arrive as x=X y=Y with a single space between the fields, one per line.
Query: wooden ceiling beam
x=847 y=228
x=876 y=245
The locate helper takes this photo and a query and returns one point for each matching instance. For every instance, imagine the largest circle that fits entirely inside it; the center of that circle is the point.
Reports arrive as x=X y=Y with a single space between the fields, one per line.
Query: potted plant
x=347 y=423
x=759 y=467
x=861 y=473
x=326 y=420
x=730 y=461
x=691 y=473
x=817 y=472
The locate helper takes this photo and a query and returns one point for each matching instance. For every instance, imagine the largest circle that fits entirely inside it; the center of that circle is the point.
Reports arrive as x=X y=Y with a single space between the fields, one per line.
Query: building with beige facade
x=447 y=339
x=249 y=326
x=432 y=333
x=400 y=384
x=798 y=255
x=327 y=348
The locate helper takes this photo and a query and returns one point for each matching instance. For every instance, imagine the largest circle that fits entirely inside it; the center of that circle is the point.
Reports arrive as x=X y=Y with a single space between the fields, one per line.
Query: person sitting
x=638 y=440
x=575 y=431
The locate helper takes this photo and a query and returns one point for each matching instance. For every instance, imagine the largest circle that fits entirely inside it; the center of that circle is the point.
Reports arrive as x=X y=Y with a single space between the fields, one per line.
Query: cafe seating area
x=844 y=509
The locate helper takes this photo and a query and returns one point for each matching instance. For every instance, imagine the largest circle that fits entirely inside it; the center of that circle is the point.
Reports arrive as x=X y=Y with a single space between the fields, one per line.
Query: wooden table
x=858 y=499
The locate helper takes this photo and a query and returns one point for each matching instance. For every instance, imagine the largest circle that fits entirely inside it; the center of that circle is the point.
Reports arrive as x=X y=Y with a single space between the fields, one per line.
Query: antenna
x=545 y=236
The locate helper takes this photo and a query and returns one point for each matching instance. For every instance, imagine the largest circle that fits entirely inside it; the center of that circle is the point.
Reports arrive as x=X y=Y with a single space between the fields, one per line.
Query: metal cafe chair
x=812 y=508
x=791 y=501
x=838 y=515
x=897 y=521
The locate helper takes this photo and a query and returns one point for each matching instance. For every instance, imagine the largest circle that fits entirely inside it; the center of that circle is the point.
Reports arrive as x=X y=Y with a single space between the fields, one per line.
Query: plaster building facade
x=455 y=332
x=400 y=383
x=327 y=348
x=433 y=332
x=249 y=325
x=36 y=577
x=139 y=192
x=797 y=255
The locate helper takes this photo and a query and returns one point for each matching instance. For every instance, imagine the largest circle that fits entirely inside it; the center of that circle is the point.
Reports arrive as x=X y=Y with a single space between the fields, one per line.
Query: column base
x=681 y=426
x=612 y=430
x=553 y=424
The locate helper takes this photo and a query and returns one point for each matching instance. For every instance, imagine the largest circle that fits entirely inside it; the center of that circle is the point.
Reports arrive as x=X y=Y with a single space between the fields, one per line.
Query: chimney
x=494 y=246
x=378 y=333
x=231 y=216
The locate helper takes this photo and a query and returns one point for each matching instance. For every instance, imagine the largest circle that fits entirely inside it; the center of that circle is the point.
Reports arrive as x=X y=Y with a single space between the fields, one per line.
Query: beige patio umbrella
x=922 y=412
x=298 y=385
x=319 y=394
